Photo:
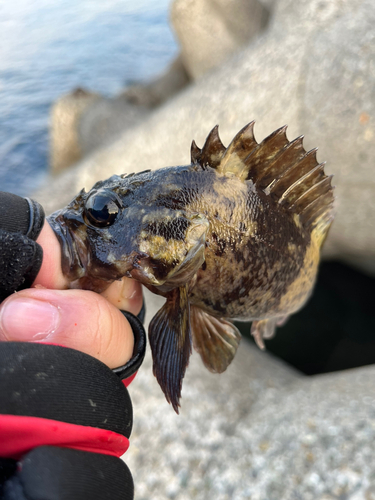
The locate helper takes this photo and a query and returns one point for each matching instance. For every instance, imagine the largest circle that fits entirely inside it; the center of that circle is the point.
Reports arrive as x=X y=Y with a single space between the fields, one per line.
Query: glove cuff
x=21 y=257
x=126 y=371
x=36 y=219
x=21 y=215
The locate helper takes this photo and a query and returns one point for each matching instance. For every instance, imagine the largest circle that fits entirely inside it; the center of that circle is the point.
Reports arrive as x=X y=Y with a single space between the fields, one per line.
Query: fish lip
x=73 y=257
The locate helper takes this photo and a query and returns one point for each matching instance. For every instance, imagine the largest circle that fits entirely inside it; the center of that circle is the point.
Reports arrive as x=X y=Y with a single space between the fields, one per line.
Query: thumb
x=79 y=319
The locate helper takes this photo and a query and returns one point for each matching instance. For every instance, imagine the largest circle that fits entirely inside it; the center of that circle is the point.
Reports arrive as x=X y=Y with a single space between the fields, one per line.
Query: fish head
x=116 y=229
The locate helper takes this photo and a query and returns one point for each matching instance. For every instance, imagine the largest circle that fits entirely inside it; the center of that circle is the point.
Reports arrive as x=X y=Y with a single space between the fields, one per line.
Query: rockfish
x=235 y=235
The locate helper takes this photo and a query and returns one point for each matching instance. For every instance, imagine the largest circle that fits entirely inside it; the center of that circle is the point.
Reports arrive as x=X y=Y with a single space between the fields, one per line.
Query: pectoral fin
x=170 y=341
x=215 y=339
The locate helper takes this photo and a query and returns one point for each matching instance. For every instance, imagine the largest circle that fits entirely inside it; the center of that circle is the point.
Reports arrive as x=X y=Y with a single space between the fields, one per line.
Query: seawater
x=50 y=47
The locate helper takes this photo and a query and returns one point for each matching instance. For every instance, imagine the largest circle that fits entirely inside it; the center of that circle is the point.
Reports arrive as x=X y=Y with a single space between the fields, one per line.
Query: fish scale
x=234 y=235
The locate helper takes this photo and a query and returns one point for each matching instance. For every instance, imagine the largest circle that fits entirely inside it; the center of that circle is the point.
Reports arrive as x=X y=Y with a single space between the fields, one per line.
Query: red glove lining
x=128 y=380
x=19 y=435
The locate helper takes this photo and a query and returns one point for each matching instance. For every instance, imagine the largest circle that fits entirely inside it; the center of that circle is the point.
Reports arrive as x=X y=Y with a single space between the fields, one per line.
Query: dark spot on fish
x=136 y=184
x=211 y=304
x=220 y=306
x=160 y=268
x=171 y=230
x=204 y=266
x=220 y=245
x=238 y=255
x=174 y=200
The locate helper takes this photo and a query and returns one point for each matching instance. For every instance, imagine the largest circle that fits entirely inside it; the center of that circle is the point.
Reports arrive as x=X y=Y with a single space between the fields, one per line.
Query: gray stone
x=313 y=70
x=83 y=121
x=105 y=120
x=65 y=143
x=210 y=31
x=161 y=88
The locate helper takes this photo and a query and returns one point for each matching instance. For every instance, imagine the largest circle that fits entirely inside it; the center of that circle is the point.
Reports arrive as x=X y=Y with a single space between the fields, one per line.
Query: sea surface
x=48 y=48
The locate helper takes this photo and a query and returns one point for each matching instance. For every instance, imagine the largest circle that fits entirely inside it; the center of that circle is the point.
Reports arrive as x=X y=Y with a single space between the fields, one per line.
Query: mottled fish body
x=234 y=235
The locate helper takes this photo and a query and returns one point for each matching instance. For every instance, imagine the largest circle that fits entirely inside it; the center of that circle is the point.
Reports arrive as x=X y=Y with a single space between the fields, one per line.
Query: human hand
x=65 y=417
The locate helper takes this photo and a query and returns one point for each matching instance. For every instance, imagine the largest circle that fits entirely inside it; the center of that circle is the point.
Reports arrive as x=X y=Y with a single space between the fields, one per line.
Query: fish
x=234 y=235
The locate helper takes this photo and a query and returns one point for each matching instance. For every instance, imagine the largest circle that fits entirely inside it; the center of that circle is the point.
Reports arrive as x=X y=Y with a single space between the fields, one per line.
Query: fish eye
x=101 y=209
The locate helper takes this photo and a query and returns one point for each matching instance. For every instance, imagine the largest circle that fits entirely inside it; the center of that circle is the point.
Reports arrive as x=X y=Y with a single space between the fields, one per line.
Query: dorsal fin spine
x=300 y=181
x=268 y=177
x=213 y=149
x=233 y=158
x=265 y=152
x=294 y=168
x=195 y=153
x=315 y=187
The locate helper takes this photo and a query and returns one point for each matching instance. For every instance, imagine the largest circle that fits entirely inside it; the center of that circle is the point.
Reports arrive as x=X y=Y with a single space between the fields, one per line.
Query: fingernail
x=28 y=319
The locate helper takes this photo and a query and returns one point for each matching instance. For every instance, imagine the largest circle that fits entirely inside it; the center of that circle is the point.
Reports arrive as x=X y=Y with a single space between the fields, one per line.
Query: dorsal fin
x=296 y=169
x=265 y=153
x=235 y=154
x=280 y=163
x=195 y=153
x=283 y=170
x=212 y=150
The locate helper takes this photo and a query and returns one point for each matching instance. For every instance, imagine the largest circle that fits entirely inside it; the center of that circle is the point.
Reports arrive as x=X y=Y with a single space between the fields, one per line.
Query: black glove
x=65 y=417
x=20 y=257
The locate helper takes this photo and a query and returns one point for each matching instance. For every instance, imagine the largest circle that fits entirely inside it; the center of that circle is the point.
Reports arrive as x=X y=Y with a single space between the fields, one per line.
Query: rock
x=65 y=144
x=312 y=70
x=162 y=88
x=210 y=31
x=105 y=119
x=82 y=121
x=259 y=431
